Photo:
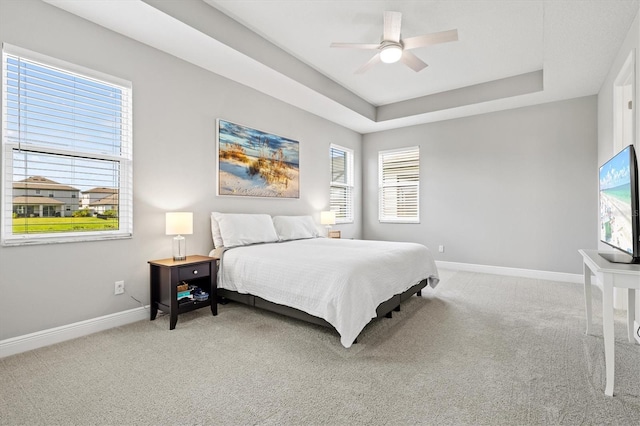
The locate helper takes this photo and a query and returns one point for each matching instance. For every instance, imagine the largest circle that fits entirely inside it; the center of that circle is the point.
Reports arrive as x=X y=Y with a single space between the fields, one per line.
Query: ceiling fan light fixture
x=390 y=54
x=392 y=47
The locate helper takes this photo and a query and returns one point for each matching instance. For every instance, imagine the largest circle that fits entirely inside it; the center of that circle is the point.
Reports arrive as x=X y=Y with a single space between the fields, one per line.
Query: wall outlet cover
x=119 y=287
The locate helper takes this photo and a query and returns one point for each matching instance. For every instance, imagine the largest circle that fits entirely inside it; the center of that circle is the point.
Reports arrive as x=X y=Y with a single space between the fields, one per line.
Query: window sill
x=40 y=240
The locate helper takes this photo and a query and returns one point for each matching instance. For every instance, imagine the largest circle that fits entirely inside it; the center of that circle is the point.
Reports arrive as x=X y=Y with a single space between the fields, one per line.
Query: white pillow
x=237 y=229
x=295 y=227
x=215 y=232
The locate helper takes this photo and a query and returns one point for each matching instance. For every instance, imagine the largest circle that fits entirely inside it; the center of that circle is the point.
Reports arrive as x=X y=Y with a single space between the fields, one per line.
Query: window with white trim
x=399 y=185
x=341 y=192
x=66 y=131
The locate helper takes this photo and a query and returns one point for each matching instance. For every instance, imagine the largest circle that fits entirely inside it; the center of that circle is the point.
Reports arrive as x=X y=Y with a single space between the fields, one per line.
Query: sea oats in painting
x=256 y=164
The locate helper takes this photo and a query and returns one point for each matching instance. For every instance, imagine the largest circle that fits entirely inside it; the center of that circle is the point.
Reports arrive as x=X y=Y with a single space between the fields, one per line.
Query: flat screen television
x=619 y=213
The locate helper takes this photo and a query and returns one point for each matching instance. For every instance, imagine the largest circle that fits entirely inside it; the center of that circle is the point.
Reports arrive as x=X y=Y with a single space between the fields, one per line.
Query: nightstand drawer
x=193 y=271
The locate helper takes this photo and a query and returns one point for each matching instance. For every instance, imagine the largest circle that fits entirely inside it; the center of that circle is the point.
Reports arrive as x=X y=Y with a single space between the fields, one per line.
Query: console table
x=609 y=275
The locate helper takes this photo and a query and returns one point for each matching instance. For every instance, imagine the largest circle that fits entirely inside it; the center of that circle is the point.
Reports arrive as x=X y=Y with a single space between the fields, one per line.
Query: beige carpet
x=480 y=349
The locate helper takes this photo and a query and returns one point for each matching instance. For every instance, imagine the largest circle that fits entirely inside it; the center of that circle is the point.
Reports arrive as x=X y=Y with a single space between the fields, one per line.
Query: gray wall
x=515 y=188
x=175 y=107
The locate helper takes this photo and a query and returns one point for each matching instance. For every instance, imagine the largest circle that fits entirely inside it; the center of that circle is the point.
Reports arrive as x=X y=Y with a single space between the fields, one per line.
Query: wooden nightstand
x=167 y=274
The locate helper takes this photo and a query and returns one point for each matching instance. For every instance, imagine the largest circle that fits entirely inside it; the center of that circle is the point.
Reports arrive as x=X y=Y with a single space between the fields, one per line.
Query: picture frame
x=334 y=234
x=255 y=163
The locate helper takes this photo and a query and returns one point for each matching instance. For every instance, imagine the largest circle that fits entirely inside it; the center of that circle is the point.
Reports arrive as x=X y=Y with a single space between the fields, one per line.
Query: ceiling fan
x=393 y=48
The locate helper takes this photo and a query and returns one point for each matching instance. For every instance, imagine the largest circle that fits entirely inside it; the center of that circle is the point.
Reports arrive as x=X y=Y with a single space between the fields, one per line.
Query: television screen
x=617 y=201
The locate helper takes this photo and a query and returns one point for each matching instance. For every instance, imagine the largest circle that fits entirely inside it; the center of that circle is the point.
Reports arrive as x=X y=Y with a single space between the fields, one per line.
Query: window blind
x=67 y=151
x=399 y=185
x=341 y=189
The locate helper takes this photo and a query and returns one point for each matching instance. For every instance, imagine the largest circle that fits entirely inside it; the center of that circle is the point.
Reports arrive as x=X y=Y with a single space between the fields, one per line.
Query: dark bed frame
x=385 y=309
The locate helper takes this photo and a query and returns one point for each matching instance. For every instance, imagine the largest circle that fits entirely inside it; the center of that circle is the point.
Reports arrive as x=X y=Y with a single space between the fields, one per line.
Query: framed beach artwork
x=253 y=163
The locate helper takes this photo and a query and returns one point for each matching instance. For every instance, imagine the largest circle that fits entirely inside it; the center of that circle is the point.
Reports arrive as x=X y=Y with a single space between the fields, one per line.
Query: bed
x=283 y=265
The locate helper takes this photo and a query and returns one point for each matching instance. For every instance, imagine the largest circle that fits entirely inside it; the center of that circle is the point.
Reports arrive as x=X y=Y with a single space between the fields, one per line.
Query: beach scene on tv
x=615 y=203
x=256 y=164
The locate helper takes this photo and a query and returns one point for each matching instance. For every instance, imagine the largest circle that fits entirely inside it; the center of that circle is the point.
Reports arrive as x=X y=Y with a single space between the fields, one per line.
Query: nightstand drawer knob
x=195 y=272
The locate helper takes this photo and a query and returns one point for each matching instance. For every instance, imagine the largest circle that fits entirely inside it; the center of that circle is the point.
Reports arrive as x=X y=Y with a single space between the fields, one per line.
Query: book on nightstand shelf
x=195 y=293
x=184 y=294
x=186 y=299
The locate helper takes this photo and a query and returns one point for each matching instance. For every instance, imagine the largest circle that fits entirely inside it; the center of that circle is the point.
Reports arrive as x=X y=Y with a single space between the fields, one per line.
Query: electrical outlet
x=119 y=287
x=636 y=331
x=441 y=249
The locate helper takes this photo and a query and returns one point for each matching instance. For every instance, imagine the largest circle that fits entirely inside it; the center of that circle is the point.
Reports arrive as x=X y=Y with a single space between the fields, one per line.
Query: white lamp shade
x=179 y=223
x=328 y=218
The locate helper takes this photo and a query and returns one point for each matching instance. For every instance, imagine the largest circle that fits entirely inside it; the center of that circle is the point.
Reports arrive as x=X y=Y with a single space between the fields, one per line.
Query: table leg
x=607 y=330
x=214 y=304
x=631 y=313
x=173 y=320
x=587 y=295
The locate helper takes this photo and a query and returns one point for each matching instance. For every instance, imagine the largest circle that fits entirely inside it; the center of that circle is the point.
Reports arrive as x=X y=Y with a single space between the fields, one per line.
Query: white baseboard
x=514 y=272
x=51 y=336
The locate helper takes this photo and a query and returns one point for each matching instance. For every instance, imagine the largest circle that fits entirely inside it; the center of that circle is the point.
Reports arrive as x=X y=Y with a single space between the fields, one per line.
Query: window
x=66 y=130
x=341 y=193
x=399 y=185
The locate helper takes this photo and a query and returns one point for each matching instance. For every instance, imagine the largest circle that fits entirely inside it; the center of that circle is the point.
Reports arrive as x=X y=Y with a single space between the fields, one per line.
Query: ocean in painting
x=256 y=164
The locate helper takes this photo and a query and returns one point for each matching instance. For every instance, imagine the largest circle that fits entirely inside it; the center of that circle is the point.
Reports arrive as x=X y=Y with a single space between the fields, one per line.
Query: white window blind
x=341 y=193
x=67 y=151
x=399 y=185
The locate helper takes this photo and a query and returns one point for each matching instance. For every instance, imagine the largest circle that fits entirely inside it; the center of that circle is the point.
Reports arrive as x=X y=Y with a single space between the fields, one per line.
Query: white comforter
x=342 y=281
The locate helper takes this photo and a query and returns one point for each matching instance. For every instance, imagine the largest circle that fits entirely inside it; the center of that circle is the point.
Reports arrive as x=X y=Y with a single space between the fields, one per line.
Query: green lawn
x=40 y=225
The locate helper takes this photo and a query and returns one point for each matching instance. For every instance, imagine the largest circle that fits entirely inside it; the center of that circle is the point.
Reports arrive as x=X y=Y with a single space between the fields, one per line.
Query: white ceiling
x=282 y=48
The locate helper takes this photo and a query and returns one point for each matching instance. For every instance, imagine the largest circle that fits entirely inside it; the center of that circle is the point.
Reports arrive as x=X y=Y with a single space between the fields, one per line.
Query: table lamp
x=328 y=218
x=178 y=223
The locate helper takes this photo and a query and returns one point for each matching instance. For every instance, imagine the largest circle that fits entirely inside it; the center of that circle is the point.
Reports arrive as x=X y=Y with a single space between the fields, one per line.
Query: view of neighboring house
x=100 y=199
x=38 y=196
x=109 y=202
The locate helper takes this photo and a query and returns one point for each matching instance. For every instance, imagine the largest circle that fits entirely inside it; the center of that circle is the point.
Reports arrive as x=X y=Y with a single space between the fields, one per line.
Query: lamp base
x=179 y=248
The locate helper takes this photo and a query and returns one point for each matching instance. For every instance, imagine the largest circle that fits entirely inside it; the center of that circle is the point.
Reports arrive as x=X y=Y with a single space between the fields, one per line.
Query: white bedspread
x=342 y=281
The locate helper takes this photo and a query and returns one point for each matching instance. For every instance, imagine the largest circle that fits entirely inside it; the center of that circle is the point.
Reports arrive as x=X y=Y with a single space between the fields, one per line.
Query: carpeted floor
x=480 y=349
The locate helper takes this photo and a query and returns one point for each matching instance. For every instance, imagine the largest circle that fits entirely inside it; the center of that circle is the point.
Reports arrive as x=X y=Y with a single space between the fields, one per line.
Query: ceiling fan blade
x=430 y=39
x=373 y=61
x=392 y=23
x=356 y=45
x=412 y=61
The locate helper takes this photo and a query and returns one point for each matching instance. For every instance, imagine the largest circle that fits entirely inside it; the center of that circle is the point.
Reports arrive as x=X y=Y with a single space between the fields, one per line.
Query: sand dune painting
x=253 y=163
